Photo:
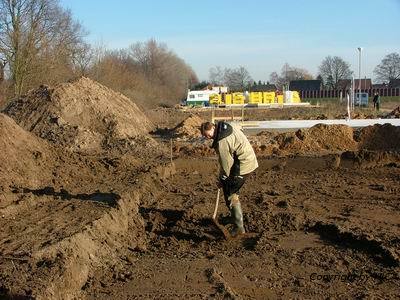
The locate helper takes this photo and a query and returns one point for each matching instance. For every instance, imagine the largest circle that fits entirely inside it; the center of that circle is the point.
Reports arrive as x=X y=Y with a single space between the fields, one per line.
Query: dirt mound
x=328 y=138
x=379 y=137
x=63 y=214
x=395 y=113
x=319 y=138
x=361 y=116
x=189 y=127
x=81 y=115
x=22 y=155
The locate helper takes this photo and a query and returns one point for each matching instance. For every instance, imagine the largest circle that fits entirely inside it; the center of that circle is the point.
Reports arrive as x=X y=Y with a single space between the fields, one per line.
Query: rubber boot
x=237 y=215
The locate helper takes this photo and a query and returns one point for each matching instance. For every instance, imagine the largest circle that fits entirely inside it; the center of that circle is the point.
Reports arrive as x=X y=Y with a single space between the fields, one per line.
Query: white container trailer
x=199 y=98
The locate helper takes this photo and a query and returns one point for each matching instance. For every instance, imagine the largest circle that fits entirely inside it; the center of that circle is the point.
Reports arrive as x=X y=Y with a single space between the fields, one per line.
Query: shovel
x=215 y=221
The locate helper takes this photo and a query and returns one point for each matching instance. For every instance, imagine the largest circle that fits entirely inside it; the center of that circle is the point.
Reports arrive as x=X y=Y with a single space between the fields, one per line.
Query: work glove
x=222 y=180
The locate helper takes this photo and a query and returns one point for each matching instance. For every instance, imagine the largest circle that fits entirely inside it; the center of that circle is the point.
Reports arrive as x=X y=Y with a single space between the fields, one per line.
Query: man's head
x=207 y=130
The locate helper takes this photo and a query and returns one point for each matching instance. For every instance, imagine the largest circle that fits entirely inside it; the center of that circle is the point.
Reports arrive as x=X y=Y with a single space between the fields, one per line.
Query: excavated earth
x=99 y=209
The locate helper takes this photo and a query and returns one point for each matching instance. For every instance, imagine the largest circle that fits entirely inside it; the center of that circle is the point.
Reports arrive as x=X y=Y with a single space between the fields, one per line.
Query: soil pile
x=163 y=117
x=326 y=137
x=329 y=138
x=189 y=128
x=319 y=138
x=81 y=115
x=379 y=137
x=64 y=214
x=22 y=155
x=395 y=113
x=360 y=115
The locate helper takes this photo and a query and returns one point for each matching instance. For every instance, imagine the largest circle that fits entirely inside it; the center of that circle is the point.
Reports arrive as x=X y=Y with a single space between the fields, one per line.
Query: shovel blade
x=222 y=228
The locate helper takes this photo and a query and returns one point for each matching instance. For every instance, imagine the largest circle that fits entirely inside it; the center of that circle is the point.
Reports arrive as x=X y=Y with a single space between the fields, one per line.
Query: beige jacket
x=233 y=147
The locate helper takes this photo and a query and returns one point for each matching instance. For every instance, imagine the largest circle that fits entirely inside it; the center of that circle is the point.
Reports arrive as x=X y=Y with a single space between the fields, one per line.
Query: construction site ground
x=128 y=216
x=315 y=230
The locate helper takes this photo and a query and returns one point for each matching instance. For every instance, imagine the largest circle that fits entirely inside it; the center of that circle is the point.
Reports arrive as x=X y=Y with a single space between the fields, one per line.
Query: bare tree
x=216 y=75
x=289 y=73
x=36 y=38
x=295 y=73
x=389 y=68
x=274 y=78
x=115 y=69
x=148 y=72
x=150 y=57
x=147 y=56
x=319 y=77
x=161 y=65
x=82 y=57
x=237 y=79
x=332 y=69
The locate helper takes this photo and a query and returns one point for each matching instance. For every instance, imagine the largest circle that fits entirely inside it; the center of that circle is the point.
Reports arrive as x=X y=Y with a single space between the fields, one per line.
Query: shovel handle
x=216 y=205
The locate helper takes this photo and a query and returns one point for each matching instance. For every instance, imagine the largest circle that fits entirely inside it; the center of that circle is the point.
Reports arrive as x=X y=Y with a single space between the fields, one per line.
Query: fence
x=385 y=92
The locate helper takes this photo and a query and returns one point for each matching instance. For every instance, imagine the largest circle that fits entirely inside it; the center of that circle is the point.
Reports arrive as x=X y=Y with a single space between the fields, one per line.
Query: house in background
x=394 y=83
x=305 y=85
x=379 y=86
x=345 y=84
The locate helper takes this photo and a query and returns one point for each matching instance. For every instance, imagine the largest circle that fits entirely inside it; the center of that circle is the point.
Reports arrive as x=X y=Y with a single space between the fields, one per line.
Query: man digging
x=237 y=160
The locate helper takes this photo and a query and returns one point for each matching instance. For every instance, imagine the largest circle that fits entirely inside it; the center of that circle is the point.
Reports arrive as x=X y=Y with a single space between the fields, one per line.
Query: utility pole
x=359 y=75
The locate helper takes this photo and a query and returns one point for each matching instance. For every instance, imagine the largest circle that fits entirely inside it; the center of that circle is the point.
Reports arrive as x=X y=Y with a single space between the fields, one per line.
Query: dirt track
x=118 y=221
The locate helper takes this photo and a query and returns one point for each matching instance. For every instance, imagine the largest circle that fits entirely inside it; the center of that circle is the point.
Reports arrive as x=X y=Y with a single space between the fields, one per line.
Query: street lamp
x=359 y=74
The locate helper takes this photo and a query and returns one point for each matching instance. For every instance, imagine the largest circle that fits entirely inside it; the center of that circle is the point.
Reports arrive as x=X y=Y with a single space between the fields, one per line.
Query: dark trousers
x=231 y=185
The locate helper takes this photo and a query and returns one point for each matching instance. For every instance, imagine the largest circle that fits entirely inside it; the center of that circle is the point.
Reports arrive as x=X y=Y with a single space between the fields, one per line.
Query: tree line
x=41 y=43
x=331 y=70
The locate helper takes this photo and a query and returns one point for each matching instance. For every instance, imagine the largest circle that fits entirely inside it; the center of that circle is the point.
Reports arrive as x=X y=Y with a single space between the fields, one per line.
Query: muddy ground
x=317 y=229
x=123 y=219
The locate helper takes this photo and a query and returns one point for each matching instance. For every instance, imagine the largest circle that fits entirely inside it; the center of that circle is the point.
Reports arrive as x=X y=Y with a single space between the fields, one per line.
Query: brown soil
x=318 y=138
x=314 y=232
x=395 y=113
x=81 y=115
x=114 y=219
x=189 y=127
x=22 y=155
x=379 y=137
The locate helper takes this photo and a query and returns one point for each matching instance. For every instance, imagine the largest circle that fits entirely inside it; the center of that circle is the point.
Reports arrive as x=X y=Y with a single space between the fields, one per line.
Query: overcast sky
x=259 y=35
